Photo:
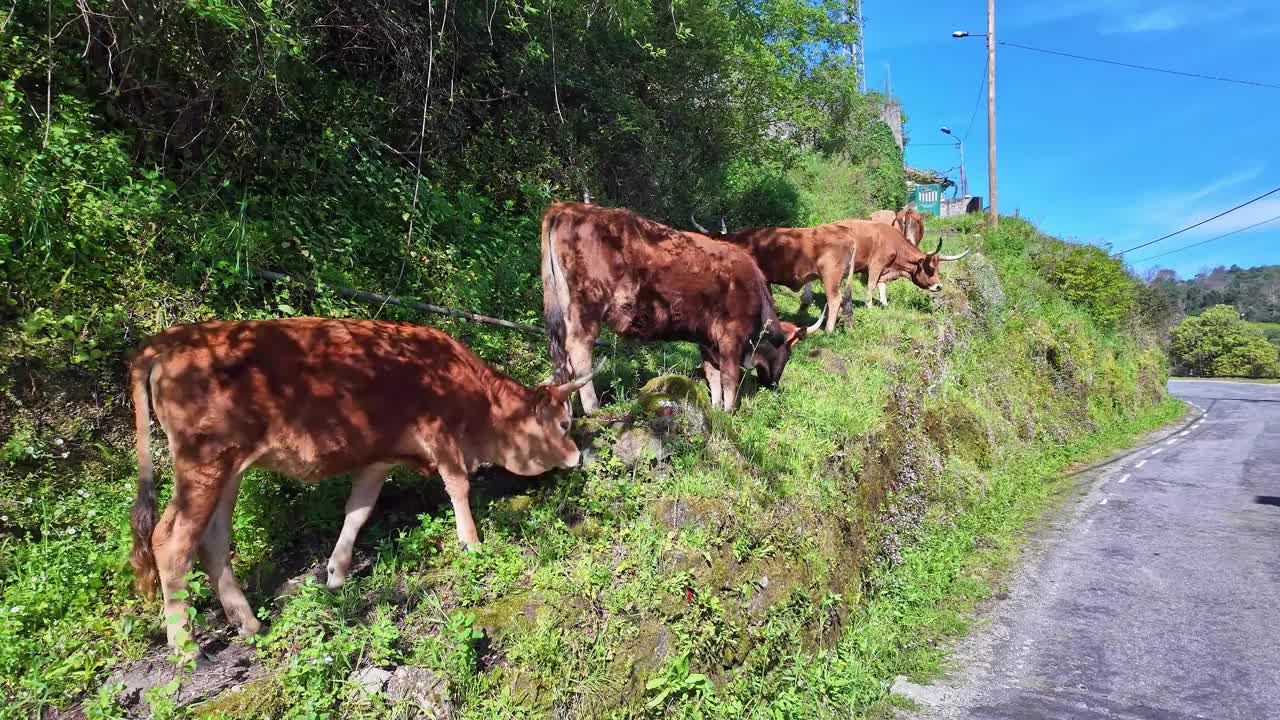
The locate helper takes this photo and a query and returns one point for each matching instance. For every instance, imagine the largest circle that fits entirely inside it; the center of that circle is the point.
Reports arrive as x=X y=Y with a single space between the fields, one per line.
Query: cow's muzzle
x=935 y=288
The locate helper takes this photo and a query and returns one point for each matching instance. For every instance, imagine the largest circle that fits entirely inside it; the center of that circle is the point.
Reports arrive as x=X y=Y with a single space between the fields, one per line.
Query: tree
x=1220 y=343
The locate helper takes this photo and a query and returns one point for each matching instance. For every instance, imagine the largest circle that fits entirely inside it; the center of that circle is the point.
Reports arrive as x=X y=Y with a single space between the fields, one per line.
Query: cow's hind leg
x=831 y=285
x=215 y=555
x=578 y=345
x=713 y=382
x=196 y=494
x=806 y=298
x=365 y=487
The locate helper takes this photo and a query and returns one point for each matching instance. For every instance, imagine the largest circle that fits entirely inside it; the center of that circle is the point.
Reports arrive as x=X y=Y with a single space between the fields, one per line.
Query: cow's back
x=649 y=281
x=309 y=397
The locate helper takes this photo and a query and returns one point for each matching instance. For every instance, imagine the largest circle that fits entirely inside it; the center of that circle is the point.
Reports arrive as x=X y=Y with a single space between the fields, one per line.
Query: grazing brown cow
x=650 y=282
x=883 y=253
x=910 y=223
x=792 y=257
x=312 y=398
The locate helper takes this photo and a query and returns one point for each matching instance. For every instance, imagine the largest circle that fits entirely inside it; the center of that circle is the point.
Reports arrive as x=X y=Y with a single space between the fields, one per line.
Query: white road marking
x=1126 y=476
x=1104 y=501
x=1170 y=441
x=1157 y=451
x=1140 y=464
x=1184 y=433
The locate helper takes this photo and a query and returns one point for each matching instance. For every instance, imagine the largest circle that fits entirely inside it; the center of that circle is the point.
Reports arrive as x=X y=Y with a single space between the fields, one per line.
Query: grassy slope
x=789 y=562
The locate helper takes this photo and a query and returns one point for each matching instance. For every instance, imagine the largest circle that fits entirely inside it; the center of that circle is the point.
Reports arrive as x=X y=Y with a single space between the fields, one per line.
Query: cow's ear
x=542 y=398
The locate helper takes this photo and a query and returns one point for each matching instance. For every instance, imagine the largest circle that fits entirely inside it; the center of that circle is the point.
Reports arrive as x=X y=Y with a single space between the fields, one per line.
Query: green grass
x=789 y=562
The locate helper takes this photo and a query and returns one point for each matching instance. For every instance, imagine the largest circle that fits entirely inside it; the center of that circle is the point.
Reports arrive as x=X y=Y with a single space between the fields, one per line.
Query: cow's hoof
x=250 y=627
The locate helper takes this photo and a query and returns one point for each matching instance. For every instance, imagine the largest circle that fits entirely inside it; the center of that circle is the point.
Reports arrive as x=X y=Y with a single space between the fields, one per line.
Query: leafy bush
x=1220 y=343
x=1091 y=278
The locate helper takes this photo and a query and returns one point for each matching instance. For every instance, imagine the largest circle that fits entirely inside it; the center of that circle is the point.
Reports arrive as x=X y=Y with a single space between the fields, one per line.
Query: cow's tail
x=143 y=521
x=555 y=297
x=770 y=326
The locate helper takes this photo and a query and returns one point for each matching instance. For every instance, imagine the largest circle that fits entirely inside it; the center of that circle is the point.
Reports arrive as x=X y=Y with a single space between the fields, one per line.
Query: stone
x=419 y=693
x=640 y=445
x=924 y=695
x=370 y=680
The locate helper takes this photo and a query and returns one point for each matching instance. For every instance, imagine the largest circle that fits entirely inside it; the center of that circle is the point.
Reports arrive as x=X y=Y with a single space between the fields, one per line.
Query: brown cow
x=313 y=398
x=883 y=253
x=910 y=223
x=792 y=257
x=650 y=282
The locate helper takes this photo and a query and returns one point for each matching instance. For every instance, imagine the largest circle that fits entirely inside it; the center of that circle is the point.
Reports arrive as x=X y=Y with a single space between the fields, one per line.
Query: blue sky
x=1098 y=153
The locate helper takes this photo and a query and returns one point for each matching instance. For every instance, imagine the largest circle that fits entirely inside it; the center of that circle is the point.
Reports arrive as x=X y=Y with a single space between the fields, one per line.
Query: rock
x=235 y=665
x=640 y=444
x=370 y=680
x=926 y=695
x=419 y=693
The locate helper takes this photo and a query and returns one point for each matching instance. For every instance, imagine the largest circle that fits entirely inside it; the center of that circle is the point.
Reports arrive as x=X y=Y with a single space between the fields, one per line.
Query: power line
x=978 y=100
x=1202 y=222
x=1141 y=67
x=1204 y=242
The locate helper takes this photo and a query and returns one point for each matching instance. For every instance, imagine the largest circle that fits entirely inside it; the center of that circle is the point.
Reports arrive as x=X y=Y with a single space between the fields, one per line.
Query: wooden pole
x=991 y=108
x=378 y=299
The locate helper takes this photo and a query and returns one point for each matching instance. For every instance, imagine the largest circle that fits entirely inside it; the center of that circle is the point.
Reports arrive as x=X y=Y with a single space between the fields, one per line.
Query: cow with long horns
x=882 y=254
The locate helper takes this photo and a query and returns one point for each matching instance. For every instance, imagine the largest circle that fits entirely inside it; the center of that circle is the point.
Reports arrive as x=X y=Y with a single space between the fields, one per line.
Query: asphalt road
x=1155 y=596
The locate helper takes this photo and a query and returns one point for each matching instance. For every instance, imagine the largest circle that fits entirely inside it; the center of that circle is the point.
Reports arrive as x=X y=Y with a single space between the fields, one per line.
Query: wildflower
x=58 y=441
x=82 y=493
x=4 y=518
x=15 y=609
x=66 y=454
x=71 y=531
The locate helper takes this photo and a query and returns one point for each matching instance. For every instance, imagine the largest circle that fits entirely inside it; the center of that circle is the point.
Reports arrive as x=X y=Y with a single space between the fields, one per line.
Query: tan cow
x=910 y=223
x=313 y=398
x=882 y=254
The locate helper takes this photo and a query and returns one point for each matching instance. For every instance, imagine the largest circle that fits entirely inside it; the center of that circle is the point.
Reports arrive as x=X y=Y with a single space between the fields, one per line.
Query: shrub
x=1220 y=343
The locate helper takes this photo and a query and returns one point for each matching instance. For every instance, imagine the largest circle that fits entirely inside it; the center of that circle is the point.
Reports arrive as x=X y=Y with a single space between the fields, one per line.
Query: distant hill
x=1255 y=292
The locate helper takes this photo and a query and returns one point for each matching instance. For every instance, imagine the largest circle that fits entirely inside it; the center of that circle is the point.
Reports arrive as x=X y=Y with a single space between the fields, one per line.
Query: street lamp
x=964 y=182
x=991 y=104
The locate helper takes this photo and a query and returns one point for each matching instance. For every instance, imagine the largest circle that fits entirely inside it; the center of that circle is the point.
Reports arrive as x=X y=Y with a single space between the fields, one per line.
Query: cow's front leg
x=458 y=485
x=713 y=384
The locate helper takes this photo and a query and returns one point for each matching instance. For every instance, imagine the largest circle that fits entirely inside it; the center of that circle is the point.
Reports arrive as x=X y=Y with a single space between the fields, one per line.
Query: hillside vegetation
x=784 y=561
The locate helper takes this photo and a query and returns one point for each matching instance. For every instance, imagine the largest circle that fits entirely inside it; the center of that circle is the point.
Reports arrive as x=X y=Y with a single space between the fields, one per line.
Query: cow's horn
x=574 y=385
x=939 y=248
x=816 y=327
x=955 y=257
x=697 y=224
x=724 y=229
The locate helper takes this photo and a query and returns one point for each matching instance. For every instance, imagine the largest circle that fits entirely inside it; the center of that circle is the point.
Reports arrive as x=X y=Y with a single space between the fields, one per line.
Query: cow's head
x=925 y=272
x=534 y=437
x=770 y=359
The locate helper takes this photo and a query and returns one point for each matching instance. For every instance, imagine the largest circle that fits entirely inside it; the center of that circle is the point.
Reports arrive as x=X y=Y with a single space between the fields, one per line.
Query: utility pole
x=991 y=108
